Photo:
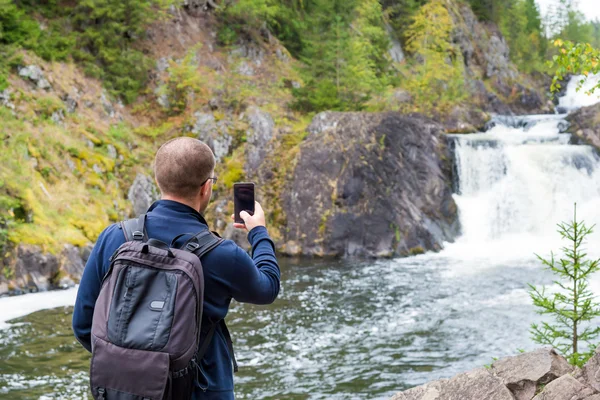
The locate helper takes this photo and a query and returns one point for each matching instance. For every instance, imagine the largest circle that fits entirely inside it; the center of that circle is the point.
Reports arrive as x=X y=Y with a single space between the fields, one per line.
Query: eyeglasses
x=213 y=178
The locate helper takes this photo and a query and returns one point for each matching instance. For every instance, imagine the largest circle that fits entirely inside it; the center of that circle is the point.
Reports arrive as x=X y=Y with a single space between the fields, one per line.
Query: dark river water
x=339 y=330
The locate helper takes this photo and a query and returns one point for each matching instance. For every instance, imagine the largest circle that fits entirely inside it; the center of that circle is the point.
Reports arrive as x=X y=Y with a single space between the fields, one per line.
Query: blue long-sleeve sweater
x=228 y=273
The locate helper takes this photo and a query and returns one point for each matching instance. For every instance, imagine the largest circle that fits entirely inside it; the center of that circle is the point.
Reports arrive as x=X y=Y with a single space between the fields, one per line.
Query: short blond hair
x=182 y=165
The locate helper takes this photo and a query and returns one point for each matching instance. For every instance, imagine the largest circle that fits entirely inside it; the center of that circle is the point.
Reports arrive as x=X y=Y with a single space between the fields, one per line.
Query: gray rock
x=71 y=103
x=58 y=116
x=107 y=105
x=34 y=269
x=585 y=125
x=36 y=75
x=97 y=169
x=395 y=50
x=72 y=263
x=112 y=151
x=162 y=64
x=590 y=373
x=565 y=388
x=213 y=133
x=142 y=193
x=248 y=50
x=5 y=97
x=239 y=236
x=371 y=184
x=89 y=143
x=3 y=289
x=71 y=164
x=478 y=384
x=85 y=252
x=296 y=85
x=245 y=69
x=522 y=374
x=322 y=122
x=282 y=55
x=162 y=99
x=258 y=137
x=498 y=59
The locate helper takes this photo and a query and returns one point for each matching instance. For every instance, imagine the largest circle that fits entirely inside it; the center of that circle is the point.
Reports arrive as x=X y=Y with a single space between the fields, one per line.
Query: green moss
x=233 y=171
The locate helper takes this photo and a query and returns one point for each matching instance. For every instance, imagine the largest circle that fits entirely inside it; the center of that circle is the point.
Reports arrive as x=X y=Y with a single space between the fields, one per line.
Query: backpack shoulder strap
x=202 y=243
x=135 y=229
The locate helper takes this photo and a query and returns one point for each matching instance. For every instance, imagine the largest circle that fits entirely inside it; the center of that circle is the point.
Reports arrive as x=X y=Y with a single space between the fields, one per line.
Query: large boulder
x=524 y=373
x=585 y=125
x=370 y=185
x=142 y=193
x=478 y=384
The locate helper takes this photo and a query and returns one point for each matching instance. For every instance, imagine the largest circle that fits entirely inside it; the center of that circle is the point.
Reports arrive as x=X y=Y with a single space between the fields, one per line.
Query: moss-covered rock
x=370 y=185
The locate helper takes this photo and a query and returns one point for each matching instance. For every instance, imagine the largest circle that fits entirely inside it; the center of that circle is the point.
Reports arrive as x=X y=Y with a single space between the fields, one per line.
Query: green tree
x=438 y=72
x=574 y=305
x=578 y=59
x=345 y=55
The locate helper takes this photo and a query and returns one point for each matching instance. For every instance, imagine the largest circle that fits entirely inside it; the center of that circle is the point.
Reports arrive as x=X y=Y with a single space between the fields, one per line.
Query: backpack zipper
x=101 y=393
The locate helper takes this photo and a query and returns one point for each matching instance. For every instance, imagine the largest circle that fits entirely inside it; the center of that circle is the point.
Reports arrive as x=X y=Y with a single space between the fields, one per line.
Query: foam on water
x=18 y=306
x=574 y=99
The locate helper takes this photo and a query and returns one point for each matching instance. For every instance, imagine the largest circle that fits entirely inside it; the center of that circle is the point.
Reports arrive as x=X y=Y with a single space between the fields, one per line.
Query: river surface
x=367 y=329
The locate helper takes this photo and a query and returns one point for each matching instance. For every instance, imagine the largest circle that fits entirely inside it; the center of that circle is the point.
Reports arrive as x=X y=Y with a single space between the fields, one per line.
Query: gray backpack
x=146 y=324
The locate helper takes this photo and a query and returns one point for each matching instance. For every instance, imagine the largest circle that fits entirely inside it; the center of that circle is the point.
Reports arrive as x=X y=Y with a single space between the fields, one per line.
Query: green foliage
x=183 y=83
x=345 y=55
x=438 y=74
x=572 y=58
x=574 y=305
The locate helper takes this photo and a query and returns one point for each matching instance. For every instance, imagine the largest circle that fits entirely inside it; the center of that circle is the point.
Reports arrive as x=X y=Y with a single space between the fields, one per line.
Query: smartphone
x=243 y=199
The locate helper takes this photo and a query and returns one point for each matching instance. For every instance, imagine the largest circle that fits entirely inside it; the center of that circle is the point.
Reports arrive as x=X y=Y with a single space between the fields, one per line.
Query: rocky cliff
x=538 y=375
x=370 y=185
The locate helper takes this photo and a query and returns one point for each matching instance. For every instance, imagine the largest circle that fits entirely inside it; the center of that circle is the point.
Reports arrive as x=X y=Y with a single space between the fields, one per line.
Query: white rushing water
x=516 y=183
x=18 y=306
x=574 y=99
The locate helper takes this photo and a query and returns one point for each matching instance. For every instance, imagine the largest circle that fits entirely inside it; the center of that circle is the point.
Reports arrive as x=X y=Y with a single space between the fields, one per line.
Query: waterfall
x=574 y=99
x=516 y=181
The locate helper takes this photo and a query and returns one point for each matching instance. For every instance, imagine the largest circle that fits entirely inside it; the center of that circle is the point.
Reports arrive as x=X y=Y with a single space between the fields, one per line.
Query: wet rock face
x=370 y=185
x=585 y=125
x=142 y=193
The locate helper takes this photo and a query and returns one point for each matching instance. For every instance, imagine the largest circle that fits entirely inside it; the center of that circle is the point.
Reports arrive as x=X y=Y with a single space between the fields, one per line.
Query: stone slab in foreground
x=538 y=375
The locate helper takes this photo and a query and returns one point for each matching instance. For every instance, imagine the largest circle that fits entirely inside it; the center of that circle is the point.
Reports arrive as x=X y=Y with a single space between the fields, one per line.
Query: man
x=184 y=172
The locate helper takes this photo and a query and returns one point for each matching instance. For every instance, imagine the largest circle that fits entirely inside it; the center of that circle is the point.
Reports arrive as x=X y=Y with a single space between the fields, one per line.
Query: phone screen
x=243 y=199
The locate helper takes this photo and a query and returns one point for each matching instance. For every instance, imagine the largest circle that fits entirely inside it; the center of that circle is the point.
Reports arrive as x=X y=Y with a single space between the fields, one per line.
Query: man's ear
x=204 y=188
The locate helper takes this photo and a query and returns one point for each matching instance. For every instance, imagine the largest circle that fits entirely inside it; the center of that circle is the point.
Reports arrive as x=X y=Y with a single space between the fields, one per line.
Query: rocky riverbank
x=539 y=375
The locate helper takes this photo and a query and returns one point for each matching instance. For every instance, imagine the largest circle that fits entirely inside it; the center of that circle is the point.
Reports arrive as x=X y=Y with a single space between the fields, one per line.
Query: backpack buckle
x=192 y=246
x=137 y=235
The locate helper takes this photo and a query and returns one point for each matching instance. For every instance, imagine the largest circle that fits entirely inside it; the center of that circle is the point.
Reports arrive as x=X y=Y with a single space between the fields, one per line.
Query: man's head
x=182 y=169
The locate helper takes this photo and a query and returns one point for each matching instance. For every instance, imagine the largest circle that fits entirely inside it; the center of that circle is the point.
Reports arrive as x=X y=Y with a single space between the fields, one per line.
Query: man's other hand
x=251 y=221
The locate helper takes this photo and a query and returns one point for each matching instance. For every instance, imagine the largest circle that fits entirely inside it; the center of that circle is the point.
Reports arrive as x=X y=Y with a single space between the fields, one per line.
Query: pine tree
x=439 y=69
x=574 y=304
